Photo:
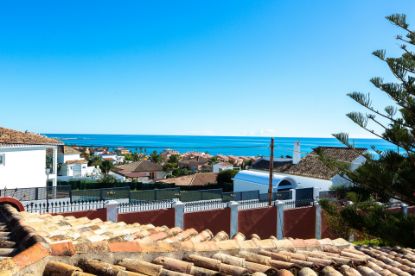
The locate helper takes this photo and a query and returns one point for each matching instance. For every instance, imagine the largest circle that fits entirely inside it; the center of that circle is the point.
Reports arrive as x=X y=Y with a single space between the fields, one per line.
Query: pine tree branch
x=385 y=138
x=385 y=128
x=400 y=21
x=368 y=106
x=376 y=121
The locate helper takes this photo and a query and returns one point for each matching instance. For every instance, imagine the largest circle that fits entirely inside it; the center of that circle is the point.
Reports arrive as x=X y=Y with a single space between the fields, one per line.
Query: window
x=2 y=159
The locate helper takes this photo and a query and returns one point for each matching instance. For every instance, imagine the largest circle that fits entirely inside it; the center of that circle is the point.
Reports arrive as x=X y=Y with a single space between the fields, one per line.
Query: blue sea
x=227 y=145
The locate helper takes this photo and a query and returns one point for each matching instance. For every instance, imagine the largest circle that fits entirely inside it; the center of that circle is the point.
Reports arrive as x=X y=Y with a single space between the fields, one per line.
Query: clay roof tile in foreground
x=57 y=245
x=14 y=137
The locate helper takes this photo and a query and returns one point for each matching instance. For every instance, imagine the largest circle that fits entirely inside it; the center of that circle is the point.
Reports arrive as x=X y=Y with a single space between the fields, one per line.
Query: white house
x=309 y=171
x=222 y=166
x=115 y=159
x=67 y=153
x=72 y=165
x=77 y=169
x=27 y=159
x=247 y=180
x=142 y=171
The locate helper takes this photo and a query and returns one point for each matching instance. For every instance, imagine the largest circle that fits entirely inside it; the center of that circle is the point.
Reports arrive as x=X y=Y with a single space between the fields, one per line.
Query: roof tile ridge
x=193 y=179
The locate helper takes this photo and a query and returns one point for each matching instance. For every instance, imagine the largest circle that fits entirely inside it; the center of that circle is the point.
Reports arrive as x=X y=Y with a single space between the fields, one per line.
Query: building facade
x=27 y=160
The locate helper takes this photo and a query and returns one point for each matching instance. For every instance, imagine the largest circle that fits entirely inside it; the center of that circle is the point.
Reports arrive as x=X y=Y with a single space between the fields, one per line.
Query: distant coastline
x=228 y=145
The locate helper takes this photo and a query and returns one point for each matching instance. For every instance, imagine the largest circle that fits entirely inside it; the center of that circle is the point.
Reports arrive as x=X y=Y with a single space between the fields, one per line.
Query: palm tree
x=106 y=166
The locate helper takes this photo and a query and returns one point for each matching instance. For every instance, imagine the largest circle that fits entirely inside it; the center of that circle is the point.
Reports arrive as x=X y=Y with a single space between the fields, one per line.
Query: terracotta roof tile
x=10 y=136
x=70 y=150
x=311 y=165
x=197 y=179
x=79 y=246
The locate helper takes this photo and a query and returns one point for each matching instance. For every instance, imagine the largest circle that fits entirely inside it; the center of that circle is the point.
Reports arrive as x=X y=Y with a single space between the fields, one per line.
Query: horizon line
x=205 y=135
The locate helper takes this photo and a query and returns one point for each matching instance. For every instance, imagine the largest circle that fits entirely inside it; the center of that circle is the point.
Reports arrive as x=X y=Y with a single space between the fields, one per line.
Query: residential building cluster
x=44 y=161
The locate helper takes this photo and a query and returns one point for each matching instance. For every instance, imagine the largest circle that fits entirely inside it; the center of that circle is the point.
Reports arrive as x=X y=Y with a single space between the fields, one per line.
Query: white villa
x=222 y=166
x=300 y=173
x=23 y=159
x=72 y=165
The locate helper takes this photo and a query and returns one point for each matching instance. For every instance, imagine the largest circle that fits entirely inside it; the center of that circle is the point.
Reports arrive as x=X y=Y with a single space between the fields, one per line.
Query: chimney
x=296 y=153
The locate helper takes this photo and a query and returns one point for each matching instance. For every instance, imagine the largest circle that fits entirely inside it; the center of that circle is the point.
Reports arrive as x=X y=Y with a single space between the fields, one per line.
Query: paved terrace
x=57 y=245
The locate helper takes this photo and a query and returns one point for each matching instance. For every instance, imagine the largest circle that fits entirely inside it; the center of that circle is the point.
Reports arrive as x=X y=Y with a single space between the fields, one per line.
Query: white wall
x=117 y=176
x=243 y=186
x=218 y=168
x=63 y=158
x=78 y=170
x=70 y=157
x=339 y=180
x=307 y=182
x=24 y=167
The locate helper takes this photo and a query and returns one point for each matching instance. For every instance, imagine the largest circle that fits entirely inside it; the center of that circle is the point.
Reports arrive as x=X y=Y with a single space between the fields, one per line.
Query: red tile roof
x=311 y=165
x=140 y=166
x=10 y=136
x=70 y=150
x=197 y=179
x=57 y=245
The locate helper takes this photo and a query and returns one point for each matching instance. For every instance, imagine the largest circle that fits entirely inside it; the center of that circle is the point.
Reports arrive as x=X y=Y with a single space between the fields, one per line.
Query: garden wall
x=156 y=217
x=261 y=221
x=300 y=223
x=100 y=213
x=215 y=220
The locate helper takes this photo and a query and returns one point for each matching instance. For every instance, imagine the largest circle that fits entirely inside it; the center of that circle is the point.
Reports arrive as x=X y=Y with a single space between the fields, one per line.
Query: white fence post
x=178 y=214
x=280 y=219
x=404 y=208
x=293 y=194
x=112 y=210
x=233 y=205
x=351 y=236
x=318 y=220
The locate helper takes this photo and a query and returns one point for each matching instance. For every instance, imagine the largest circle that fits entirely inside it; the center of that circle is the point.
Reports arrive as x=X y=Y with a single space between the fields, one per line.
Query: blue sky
x=191 y=67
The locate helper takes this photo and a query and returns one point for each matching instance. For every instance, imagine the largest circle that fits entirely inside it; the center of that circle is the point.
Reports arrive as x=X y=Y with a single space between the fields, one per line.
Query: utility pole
x=271 y=168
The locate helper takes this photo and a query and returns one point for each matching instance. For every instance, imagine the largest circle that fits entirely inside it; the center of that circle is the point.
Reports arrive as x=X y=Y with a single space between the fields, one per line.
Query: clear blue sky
x=191 y=67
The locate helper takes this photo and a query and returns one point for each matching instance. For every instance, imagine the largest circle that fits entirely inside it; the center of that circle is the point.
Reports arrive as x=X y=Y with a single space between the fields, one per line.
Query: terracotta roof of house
x=197 y=179
x=10 y=136
x=311 y=165
x=57 y=245
x=70 y=150
x=225 y=164
x=194 y=161
x=139 y=166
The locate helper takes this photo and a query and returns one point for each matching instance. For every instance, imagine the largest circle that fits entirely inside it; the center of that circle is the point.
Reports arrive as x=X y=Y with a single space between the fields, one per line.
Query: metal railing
x=62 y=206
x=37 y=193
x=204 y=205
x=141 y=206
x=253 y=204
x=66 y=193
x=145 y=206
x=291 y=204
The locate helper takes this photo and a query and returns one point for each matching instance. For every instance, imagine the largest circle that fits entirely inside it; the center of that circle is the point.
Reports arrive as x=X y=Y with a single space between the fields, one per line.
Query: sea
x=226 y=145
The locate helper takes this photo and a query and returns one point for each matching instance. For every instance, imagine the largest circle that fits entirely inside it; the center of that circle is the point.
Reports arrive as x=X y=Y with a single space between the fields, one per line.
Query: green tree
x=106 y=166
x=155 y=157
x=391 y=174
x=95 y=161
x=107 y=179
x=226 y=176
x=174 y=158
x=181 y=172
x=172 y=163
x=213 y=160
